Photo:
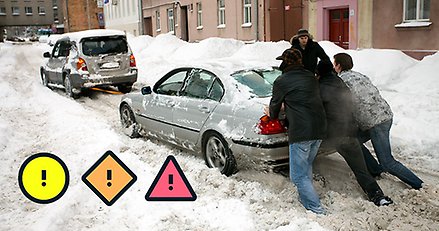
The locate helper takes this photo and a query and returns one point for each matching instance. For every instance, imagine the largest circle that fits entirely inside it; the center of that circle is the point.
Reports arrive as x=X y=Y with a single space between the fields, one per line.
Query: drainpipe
x=68 y=19
x=88 y=15
x=141 y=26
x=257 y=20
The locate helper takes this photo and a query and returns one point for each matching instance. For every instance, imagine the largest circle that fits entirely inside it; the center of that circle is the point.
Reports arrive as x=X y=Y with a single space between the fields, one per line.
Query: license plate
x=111 y=65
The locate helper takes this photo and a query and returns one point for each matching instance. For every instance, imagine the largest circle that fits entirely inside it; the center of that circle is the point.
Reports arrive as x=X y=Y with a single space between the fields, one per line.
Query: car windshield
x=256 y=82
x=104 y=45
x=270 y=75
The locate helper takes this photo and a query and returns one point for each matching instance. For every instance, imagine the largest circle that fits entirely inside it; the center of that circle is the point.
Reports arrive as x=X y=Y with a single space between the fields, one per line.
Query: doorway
x=184 y=24
x=285 y=19
x=148 y=26
x=339 y=27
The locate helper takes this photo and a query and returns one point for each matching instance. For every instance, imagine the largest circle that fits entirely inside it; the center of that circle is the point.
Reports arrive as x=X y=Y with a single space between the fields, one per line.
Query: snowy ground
x=35 y=119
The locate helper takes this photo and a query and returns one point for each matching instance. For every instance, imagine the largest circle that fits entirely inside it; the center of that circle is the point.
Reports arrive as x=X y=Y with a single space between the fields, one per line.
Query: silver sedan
x=216 y=113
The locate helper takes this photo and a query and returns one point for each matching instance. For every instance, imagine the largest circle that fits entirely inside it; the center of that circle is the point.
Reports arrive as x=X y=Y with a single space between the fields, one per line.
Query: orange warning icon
x=170 y=184
x=109 y=178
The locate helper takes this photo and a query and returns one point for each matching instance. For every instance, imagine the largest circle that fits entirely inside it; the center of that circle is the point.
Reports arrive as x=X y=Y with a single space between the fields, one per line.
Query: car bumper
x=80 y=81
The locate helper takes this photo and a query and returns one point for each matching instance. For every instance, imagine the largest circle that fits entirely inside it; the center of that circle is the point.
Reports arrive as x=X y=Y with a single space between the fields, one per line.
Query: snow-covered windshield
x=257 y=83
x=104 y=45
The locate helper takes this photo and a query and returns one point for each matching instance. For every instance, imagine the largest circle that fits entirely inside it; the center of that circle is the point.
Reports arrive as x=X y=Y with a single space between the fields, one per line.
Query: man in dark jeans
x=342 y=130
x=298 y=90
x=374 y=117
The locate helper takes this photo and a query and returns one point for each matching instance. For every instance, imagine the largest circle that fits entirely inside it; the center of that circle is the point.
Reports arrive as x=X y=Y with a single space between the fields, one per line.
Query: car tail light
x=81 y=65
x=132 y=61
x=269 y=126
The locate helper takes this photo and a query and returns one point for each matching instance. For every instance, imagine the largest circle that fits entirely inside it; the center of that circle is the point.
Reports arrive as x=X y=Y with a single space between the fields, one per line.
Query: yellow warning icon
x=43 y=178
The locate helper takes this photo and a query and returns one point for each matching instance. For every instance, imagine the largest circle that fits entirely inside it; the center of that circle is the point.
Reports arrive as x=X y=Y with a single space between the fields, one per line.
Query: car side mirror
x=46 y=55
x=146 y=90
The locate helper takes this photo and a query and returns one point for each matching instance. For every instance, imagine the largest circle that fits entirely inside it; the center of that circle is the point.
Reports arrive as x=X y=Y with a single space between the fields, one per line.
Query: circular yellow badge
x=43 y=178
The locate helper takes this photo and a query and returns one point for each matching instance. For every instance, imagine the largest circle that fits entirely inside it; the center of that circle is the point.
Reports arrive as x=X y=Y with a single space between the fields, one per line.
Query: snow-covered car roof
x=77 y=36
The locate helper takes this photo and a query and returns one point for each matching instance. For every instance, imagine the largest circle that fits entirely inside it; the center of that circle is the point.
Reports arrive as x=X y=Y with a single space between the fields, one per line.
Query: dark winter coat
x=298 y=89
x=337 y=101
x=310 y=54
x=370 y=108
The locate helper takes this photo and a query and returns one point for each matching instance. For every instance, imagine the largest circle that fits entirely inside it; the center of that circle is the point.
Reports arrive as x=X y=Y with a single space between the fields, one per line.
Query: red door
x=339 y=27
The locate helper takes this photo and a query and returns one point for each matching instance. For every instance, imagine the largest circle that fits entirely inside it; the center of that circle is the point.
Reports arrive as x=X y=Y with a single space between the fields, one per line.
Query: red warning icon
x=170 y=184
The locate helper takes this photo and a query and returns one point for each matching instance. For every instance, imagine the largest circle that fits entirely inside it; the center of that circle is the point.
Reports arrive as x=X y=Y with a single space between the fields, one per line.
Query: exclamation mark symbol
x=171 y=181
x=109 y=177
x=43 y=177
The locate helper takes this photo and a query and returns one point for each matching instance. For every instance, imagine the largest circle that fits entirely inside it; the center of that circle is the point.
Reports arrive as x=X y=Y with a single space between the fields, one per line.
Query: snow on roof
x=77 y=36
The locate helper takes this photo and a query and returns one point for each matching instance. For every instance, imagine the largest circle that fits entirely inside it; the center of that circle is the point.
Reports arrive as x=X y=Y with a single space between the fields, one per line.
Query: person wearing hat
x=310 y=50
x=298 y=90
x=342 y=130
x=374 y=117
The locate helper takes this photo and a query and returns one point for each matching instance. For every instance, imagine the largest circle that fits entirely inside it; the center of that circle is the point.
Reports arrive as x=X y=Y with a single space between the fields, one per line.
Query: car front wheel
x=44 y=79
x=217 y=154
x=129 y=124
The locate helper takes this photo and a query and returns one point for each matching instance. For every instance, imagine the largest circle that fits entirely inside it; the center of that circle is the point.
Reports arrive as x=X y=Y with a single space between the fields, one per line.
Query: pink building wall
x=323 y=7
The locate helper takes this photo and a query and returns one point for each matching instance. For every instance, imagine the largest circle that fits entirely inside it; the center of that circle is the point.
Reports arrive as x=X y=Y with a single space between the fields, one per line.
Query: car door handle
x=204 y=109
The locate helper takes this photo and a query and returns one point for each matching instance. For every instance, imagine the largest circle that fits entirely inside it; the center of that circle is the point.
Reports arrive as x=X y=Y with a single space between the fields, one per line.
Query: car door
x=50 y=69
x=157 y=114
x=200 y=95
x=58 y=61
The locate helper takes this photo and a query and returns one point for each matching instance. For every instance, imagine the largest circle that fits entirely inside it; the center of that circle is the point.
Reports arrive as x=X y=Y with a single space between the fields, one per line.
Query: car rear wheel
x=217 y=154
x=129 y=124
x=125 y=88
x=69 y=88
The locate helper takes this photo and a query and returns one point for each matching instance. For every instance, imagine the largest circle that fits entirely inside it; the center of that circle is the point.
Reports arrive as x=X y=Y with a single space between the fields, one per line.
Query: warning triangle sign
x=170 y=184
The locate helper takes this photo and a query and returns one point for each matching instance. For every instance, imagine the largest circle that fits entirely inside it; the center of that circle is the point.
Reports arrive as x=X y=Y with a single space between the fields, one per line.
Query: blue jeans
x=302 y=156
x=379 y=135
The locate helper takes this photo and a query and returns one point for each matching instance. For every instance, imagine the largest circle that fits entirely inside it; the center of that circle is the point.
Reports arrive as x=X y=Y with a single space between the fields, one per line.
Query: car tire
x=217 y=153
x=69 y=88
x=128 y=121
x=44 y=79
x=125 y=88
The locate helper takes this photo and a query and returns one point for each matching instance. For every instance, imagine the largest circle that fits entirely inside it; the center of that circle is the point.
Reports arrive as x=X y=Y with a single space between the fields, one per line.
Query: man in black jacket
x=298 y=90
x=310 y=50
x=342 y=130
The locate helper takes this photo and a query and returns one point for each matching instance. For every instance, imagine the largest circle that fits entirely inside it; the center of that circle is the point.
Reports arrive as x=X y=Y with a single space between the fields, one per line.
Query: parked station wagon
x=86 y=59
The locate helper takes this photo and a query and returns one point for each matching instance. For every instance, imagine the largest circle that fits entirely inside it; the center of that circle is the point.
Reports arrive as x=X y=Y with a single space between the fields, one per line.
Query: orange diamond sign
x=109 y=178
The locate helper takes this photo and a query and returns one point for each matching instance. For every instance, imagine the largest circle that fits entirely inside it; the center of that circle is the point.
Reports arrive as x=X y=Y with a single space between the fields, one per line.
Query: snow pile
x=36 y=119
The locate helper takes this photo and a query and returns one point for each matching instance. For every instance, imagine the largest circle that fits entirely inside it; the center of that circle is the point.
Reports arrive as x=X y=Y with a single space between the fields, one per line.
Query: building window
x=247 y=11
x=416 y=10
x=199 y=15
x=41 y=10
x=2 y=10
x=221 y=13
x=171 y=25
x=28 y=10
x=15 y=10
x=157 y=20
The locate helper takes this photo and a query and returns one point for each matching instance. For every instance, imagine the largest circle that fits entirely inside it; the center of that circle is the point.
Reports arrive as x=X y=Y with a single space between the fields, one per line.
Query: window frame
x=27 y=8
x=199 y=15
x=221 y=13
x=171 y=20
x=247 y=12
x=418 y=9
x=158 y=21
x=41 y=10
x=4 y=10
x=15 y=8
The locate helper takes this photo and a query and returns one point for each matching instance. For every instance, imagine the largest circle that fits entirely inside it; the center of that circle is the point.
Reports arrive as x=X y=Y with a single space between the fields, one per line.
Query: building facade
x=123 y=15
x=83 y=15
x=24 y=17
x=247 y=20
x=407 y=25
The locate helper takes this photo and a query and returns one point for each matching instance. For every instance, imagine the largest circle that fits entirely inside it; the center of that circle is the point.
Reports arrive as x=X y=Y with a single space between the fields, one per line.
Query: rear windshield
x=257 y=83
x=104 y=45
